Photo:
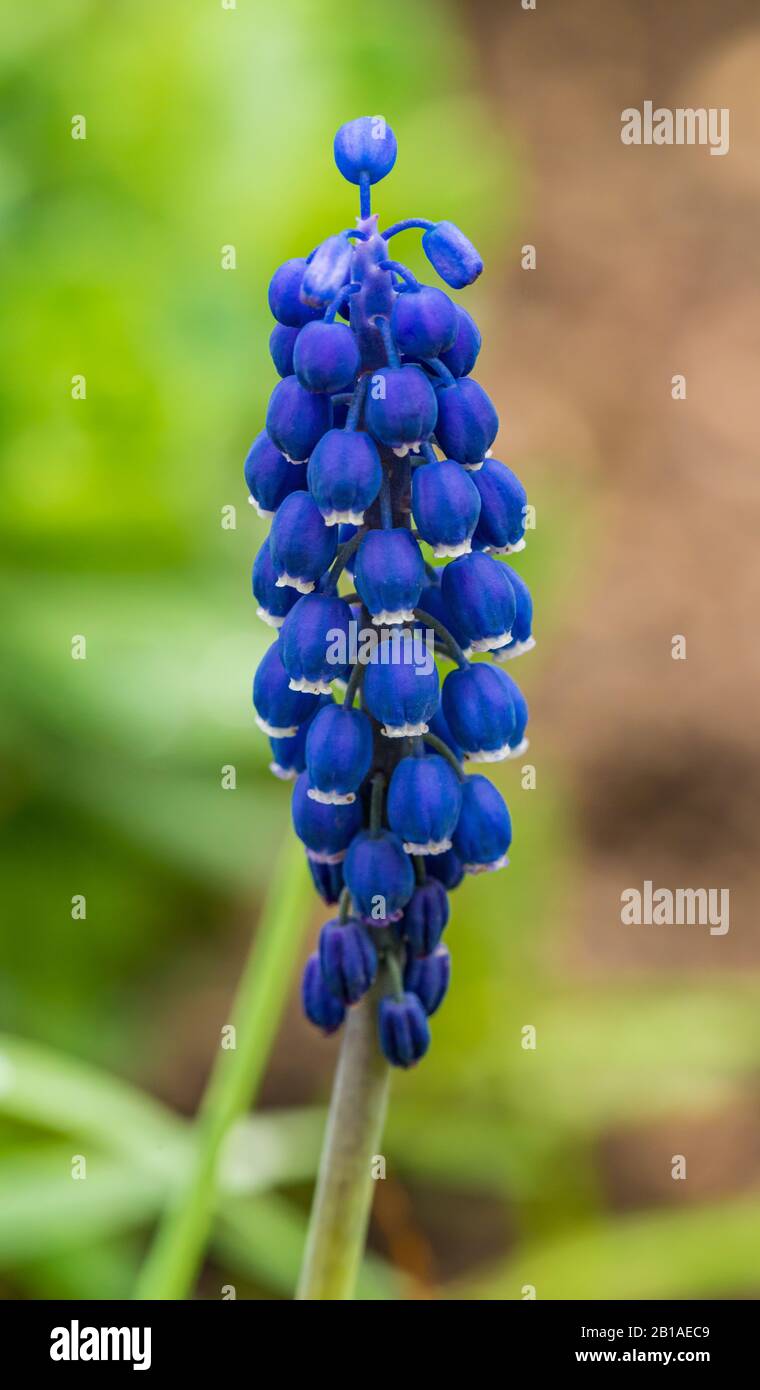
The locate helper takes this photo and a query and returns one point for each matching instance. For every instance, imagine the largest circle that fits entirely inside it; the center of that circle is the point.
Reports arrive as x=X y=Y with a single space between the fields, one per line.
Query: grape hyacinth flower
x=377 y=459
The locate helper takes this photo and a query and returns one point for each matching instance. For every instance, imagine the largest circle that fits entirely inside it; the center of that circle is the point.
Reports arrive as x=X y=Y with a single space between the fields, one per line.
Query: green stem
x=343 y=1195
x=173 y=1260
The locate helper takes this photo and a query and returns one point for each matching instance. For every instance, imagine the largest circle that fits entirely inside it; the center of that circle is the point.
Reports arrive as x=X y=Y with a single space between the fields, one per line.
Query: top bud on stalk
x=365 y=146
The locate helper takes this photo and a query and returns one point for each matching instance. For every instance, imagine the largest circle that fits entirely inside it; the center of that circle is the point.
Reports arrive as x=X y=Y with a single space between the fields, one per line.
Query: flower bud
x=452 y=255
x=322 y=1008
x=326 y=831
x=296 y=418
x=348 y=960
x=327 y=270
x=461 y=357
x=338 y=753
x=424 y=800
x=326 y=356
x=446 y=506
x=403 y=1029
x=345 y=475
x=484 y=830
x=327 y=879
x=285 y=295
x=302 y=546
x=425 y=918
x=365 y=146
x=429 y=978
x=467 y=422
x=389 y=573
x=289 y=754
x=423 y=322
x=282 y=341
x=379 y=875
x=477 y=703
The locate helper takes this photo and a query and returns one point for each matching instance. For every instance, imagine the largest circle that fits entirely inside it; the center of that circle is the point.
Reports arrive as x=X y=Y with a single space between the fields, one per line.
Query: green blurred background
x=208 y=128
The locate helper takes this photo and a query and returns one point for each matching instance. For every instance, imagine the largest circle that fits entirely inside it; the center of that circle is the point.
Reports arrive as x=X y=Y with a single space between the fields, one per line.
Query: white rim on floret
x=487 y=644
x=290 y=460
x=430 y=847
x=463 y=548
x=271 y=619
x=401 y=450
x=521 y=748
x=331 y=798
x=519 y=649
x=387 y=619
x=506 y=549
x=320 y=857
x=489 y=755
x=339 y=518
x=404 y=730
x=285 y=774
x=474 y=467
x=291 y=581
x=274 y=731
x=259 y=510
x=487 y=868
x=310 y=687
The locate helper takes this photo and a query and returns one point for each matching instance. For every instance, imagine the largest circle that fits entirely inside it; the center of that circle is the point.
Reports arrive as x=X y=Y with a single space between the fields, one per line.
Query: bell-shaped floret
x=501 y=526
x=379 y=875
x=401 y=687
x=447 y=869
x=269 y=476
x=289 y=754
x=477 y=703
x=314 y=642
x=522 y=639
x=480 y=601
x=484 y=830
x=446 y=506
x=296 y=418
x=326 y=831
x=424 y=799
x=401 y=408
x=275 y=602
x=302 y=547
x=389 y=573
x=467 y=422
x=338 y=753
x=279 y=710
x=344 y=476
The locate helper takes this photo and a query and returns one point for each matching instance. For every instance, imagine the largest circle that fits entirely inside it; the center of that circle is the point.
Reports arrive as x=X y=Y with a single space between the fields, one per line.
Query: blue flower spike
x=376 y=458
